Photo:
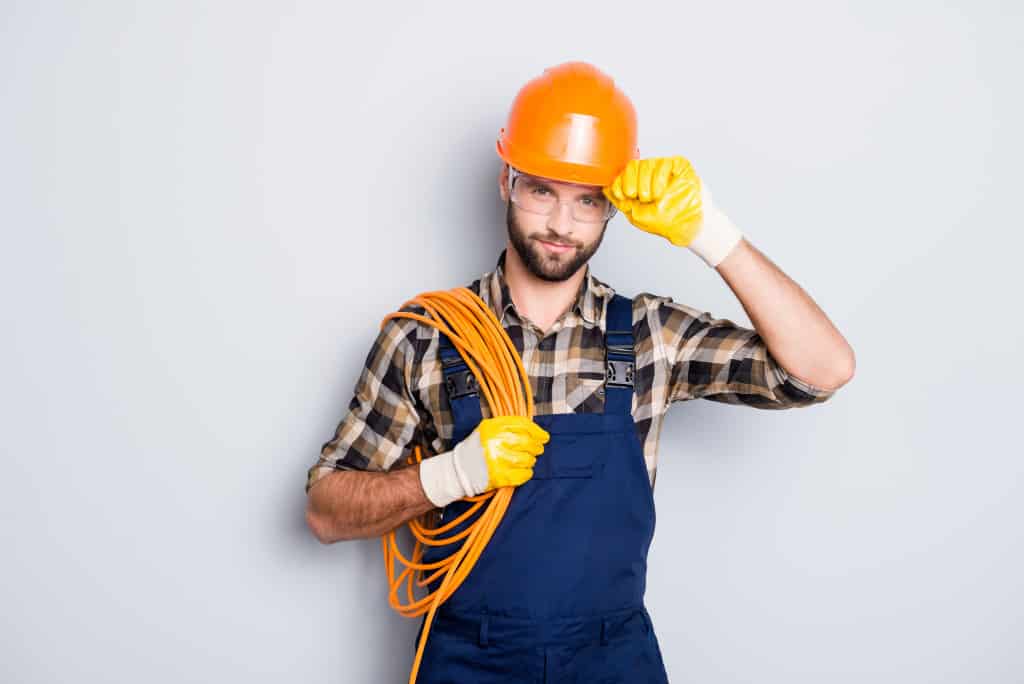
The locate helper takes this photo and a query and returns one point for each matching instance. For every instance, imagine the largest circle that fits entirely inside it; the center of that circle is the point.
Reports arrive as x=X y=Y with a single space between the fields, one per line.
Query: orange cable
x=492 y=358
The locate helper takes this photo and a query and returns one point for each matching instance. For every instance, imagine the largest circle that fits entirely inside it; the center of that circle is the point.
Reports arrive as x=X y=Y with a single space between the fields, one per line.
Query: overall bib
x=557 y=595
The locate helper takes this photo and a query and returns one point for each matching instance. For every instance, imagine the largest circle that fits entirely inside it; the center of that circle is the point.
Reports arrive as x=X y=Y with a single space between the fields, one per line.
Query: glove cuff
x=439 y=479
x=455 y=474
x=471 y=464
x=718 y=236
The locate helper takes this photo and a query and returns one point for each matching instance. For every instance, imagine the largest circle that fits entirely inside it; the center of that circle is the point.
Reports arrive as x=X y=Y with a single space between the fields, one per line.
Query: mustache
x=557 y=241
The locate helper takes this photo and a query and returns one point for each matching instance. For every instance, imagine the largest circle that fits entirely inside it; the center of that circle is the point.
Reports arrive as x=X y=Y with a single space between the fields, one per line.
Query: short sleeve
x=716 y=359
x=382 y=422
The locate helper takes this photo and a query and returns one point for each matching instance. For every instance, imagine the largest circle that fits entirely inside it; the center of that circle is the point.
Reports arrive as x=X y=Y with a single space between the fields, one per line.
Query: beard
x=553 y=268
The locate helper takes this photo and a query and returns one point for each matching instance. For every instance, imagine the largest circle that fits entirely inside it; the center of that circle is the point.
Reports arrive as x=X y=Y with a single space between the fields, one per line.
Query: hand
x=662 y=196
x=508 y=446
x=500 y=452
x=665 y=196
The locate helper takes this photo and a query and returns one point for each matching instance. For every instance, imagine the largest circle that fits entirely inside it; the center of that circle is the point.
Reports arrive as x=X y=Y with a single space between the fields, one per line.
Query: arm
x=353 y=504
x=797 y=332
x=353 y=490
x=716 y=359
x=794 y=345
x=500 y=452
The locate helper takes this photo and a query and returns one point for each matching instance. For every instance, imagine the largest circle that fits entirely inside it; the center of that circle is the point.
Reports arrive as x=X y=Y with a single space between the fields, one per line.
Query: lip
x=555 y=247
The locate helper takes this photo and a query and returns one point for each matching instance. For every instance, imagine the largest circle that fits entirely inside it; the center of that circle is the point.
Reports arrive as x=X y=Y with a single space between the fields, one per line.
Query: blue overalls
x=557 y=595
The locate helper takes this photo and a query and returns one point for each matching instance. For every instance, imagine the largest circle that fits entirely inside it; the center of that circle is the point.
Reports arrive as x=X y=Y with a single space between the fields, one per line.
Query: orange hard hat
x=571 y=124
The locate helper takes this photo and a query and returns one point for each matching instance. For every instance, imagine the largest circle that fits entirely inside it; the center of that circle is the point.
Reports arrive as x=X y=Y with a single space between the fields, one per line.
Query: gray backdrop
x=208 y=208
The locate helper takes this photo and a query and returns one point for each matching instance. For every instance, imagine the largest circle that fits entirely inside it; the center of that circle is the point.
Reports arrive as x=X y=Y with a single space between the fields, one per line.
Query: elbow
x=326 y=530
x=842 y=373
x=848 y=367
x=318 y=526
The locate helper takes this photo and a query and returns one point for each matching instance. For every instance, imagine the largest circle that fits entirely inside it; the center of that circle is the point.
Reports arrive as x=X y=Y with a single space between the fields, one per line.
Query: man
x=557 y=594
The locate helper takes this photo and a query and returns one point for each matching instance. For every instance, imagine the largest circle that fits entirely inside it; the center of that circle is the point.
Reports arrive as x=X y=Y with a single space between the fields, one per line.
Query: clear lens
x=533 y=195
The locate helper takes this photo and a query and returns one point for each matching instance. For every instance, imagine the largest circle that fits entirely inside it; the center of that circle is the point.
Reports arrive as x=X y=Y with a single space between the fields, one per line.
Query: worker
x=558 y=593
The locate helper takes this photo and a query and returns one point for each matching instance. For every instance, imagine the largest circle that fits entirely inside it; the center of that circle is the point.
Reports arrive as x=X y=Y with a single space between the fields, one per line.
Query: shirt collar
x=590 y=298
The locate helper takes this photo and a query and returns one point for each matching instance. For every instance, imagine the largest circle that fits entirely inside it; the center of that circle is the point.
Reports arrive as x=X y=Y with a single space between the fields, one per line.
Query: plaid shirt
x=681 y=354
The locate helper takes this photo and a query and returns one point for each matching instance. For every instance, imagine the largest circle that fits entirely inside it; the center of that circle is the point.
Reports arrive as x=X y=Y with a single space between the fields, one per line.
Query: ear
x=503 y=182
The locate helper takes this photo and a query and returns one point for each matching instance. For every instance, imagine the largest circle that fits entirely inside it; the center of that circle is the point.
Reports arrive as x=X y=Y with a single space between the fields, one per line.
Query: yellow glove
x=665 y=196
x=510 y=446
x=500 y=452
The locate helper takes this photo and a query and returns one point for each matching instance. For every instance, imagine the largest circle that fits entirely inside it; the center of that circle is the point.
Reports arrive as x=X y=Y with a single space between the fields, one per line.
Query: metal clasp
x=460 y=384
x=619 y=373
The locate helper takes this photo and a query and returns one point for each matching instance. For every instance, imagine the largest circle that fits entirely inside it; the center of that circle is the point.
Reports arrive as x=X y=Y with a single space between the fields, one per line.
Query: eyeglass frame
x=514 y=173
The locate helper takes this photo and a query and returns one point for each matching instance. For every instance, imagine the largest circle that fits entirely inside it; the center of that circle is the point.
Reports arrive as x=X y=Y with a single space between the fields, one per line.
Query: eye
x=592 y=202
x=538 y=189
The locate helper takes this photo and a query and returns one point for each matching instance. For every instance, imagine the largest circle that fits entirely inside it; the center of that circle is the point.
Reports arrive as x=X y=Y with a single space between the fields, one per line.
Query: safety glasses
x=537 y=196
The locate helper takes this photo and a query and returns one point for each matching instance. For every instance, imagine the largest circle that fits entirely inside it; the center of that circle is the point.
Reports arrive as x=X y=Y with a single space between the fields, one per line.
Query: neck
x=542 y=301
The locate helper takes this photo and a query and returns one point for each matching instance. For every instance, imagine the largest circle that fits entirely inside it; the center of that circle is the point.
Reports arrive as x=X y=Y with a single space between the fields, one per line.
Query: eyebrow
x=545 y=184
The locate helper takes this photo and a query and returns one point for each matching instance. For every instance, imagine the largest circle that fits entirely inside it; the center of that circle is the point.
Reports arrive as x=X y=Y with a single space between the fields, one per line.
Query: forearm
x=796 y=331
x=355 y=504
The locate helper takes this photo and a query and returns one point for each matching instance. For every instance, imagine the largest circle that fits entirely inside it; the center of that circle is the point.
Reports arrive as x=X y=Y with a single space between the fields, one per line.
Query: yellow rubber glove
x=665 y=196
x=661 y=196
x=500 y=452
x=510 y=446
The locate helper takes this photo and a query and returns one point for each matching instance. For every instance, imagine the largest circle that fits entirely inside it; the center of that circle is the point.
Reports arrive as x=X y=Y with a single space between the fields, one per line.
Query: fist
x=661 y=195
x=509 y=446
x=500 y=452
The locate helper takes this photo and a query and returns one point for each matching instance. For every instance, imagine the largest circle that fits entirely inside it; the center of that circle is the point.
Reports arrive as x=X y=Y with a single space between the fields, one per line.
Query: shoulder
x=650 y=307
x=474 y=286
x=664 y=309
x=405 y=327
x=415 y=333
x=648 y=301
x=670 y=322
x=405 y=336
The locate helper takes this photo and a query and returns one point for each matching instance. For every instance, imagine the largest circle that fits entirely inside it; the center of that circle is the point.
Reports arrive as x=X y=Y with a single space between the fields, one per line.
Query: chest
x=566 y=369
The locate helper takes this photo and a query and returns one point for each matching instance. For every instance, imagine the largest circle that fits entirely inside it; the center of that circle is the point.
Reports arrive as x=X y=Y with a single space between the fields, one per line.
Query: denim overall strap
x=620 y=364
x=460 y=390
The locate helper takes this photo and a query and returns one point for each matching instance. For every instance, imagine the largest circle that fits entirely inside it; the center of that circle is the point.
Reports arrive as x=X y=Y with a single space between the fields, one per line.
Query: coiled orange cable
x=501 y=377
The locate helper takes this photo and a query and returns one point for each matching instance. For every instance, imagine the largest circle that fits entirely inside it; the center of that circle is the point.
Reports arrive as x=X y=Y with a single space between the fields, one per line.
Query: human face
x=553 y=247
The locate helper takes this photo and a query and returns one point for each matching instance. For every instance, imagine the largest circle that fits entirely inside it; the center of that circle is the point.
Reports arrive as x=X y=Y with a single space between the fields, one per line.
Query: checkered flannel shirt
x=681 y=354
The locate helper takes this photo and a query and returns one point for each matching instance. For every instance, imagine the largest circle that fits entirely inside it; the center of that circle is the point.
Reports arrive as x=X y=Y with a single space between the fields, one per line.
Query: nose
x=561 y=217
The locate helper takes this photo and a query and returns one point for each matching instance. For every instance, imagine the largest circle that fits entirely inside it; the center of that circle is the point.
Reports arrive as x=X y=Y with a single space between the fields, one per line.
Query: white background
x=208 y=208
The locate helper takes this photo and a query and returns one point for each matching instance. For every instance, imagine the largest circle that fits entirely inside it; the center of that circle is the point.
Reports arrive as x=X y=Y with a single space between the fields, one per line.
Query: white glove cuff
x=440 y=480
x=455 y=474
x=471 y=464
x=718 y=236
